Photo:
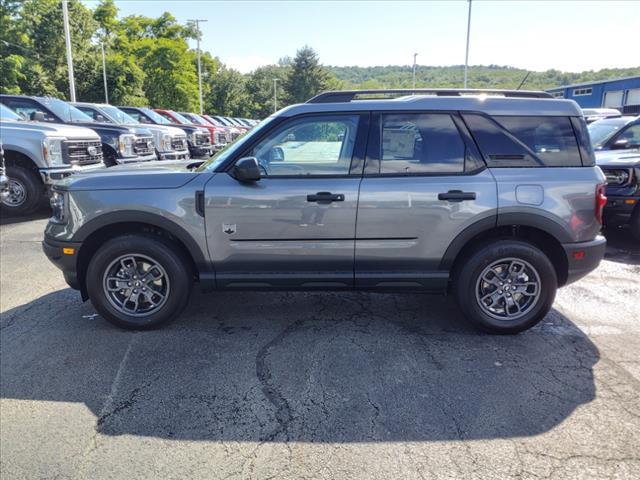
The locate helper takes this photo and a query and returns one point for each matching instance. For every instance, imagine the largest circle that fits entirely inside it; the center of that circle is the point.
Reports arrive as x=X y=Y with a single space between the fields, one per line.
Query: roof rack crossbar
x=342 y=96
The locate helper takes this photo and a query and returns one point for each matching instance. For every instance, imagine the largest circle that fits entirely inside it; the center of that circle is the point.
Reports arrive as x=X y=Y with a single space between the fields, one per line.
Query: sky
x=537 y=35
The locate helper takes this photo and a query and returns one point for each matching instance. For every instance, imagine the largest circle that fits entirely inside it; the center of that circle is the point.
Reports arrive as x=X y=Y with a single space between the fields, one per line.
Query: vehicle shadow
x=308 y=367
x=8 y=219
x=622 y=247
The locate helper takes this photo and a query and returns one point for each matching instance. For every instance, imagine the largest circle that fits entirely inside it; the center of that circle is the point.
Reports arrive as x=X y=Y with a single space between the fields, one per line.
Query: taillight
x=601 y=201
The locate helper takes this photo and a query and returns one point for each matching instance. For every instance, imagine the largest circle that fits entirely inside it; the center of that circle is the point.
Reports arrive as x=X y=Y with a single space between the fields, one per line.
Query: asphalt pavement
x=316 y=385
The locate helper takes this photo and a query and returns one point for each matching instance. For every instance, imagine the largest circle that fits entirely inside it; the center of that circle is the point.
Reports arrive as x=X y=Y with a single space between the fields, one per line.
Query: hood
x=113 y=127
x=618 y=159
x=136 y=176
x=52 y=129
x=163 y=129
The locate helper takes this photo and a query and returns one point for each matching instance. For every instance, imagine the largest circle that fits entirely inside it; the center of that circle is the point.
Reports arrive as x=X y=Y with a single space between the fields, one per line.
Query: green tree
x=227 y=94
x=170 y=77
x=260 y=86
x=307 y=76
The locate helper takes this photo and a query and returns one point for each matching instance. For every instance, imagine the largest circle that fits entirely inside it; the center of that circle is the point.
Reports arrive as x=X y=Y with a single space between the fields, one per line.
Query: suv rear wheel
x=24 y=191
x=138 y=281
x=506 y=287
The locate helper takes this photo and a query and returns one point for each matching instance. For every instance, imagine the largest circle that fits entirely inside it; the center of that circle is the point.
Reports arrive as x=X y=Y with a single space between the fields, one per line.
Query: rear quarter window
x=552 y=139
x=525 y=141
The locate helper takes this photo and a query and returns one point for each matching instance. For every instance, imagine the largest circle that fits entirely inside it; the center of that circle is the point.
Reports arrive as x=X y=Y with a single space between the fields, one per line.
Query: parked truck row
x=46 y=139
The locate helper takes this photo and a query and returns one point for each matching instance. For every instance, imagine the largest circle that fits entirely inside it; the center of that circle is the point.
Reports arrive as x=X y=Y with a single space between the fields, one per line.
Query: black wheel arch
x=109 y=225
x=538 y=230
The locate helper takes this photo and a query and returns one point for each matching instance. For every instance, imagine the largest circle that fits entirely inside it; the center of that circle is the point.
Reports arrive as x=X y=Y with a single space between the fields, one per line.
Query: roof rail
x=342 y=96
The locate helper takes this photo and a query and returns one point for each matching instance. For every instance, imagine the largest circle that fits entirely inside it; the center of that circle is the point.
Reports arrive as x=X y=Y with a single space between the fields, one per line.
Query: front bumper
x=219 y=146
x=64 y=255
x=51 y=175
x=619 y=209
x=140 y=158
x=180 y=155
x=584 y=257
x=201 y=151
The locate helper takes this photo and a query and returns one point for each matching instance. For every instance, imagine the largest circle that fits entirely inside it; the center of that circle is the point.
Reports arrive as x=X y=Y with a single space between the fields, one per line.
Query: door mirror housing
x=100 y=118
x=620 y=144
x=247 y=170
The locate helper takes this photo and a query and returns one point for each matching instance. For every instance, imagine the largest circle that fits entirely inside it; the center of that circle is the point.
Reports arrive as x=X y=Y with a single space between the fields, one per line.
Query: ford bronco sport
x=493 y=196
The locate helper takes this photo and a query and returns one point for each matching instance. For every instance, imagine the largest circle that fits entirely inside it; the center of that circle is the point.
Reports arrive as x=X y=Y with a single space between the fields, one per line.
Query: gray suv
x=492 y=196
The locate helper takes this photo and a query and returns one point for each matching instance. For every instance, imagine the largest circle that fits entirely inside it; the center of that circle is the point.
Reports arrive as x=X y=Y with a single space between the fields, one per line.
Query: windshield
x=198 y=120
x=66 y=112
x=602 y=130
x=7 y=114
x=214 y=121
x=118 y=115
x=155 y=116
x=233 y=147
x=223 y=121
x=180 y=118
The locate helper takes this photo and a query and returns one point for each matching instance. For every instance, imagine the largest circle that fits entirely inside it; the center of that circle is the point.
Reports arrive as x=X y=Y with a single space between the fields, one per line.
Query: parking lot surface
x=316 y=385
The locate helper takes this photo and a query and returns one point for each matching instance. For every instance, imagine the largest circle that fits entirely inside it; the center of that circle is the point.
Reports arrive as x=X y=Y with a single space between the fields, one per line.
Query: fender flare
x=132 y=216
x=540 y=222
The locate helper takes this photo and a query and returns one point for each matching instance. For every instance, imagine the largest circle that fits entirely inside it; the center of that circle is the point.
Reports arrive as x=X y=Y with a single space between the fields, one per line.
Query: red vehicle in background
x=176 y=117
x=223 y=133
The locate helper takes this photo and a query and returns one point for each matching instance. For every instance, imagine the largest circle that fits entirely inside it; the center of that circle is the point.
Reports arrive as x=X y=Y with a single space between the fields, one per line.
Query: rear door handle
x=325 y=197
x=457 y=196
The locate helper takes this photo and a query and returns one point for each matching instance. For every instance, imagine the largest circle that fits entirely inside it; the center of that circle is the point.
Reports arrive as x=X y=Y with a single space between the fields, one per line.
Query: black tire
x=28 y=182
x=166 y=255
x=467 y=284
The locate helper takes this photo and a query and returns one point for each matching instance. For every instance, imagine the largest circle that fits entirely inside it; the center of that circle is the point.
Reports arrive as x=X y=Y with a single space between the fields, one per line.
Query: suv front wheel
x=506 y=286
x=138 y=281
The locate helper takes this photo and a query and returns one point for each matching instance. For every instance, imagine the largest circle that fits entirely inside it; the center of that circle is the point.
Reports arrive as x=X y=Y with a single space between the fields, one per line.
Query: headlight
x=166 y=142
x=52 y=151
x=125 y=145
x=194 y=136
x=58 y=207
x=616 y=177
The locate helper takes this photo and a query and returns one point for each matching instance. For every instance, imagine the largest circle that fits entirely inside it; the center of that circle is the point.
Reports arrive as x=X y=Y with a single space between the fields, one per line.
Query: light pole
x=197 y=22
x=414 y=70
x=67 y=41
x=104 y=74
x=466 y=55
x=275 y=95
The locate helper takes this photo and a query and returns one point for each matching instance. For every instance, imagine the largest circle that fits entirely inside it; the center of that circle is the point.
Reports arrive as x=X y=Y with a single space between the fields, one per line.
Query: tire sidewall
x=174 y=264
x=473 y=267
x=33 y=191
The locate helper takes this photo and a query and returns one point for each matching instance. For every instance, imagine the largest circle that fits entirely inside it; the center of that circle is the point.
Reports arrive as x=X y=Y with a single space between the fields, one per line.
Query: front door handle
x=457 y=196
x=325 y=197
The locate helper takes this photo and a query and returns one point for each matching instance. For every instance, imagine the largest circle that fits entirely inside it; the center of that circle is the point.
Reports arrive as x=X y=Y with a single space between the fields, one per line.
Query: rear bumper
x=59 y=254
x=584 y=257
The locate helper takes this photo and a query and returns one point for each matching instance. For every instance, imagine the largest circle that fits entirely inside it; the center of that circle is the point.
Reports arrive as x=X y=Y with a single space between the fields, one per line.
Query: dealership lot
x=316 y=385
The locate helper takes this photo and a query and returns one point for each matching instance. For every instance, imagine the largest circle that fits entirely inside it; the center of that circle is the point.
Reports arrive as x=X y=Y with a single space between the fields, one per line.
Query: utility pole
x=197 y=22
x=275 y=95
x=466 y=55
x=414 y=70
x=67 y=40
x=104 y=75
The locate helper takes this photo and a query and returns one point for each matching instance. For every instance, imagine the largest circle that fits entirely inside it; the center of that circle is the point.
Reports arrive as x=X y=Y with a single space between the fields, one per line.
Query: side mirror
x=246 y=170
x=100 y=118
x=37 y=116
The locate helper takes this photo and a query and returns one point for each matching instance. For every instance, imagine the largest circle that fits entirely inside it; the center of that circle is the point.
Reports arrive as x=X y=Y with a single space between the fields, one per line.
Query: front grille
x=203 y=139
x=143 y=145
x=220 y=138
x=179 y=143
x=235 y=135
x=82 y=152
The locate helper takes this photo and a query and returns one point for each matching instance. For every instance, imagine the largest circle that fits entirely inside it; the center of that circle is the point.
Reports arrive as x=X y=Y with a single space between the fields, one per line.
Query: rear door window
x=420 y=144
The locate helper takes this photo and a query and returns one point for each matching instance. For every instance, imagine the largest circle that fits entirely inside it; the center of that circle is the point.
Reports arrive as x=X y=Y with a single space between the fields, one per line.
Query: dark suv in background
x=120 y=143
